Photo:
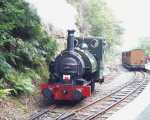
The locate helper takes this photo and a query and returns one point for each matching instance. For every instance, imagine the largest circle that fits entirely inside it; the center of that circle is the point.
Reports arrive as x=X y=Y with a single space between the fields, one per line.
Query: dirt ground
x=19 y=108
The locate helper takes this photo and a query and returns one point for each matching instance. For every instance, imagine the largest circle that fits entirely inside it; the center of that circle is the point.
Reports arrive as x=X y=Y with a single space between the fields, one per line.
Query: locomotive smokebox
x=70 y=40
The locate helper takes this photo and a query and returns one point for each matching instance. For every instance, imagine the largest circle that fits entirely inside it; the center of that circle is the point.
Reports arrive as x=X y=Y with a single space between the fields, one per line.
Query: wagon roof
x=134 y=50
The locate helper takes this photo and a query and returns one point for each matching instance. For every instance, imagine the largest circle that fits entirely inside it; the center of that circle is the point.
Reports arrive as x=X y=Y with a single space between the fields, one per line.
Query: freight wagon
x=134 y=59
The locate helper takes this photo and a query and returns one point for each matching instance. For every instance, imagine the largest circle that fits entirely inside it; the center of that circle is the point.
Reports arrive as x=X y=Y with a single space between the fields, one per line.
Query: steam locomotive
x=76 y=69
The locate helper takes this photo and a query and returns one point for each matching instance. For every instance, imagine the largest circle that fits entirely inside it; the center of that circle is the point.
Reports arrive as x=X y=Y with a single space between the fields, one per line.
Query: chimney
x=70 y=40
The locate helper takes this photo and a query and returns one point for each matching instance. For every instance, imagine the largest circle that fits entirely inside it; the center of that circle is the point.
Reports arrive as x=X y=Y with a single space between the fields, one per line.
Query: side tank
x=96 y=48
x=89 y=59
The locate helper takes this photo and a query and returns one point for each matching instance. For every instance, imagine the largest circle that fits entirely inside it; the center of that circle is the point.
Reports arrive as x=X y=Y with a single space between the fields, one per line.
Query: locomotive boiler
x=76 y=69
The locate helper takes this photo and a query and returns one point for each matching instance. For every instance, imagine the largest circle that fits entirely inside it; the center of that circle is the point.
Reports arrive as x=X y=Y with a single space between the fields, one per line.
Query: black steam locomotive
x=76 y=69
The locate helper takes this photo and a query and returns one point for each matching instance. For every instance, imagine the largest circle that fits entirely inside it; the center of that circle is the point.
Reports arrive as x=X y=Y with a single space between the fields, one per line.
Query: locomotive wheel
x=48 y=97
x=77 y=95
x=92 y=86
x=101 y=80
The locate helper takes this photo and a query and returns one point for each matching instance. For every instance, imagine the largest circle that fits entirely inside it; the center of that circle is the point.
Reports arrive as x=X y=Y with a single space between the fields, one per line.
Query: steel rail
x=114 y=104
x=36 y=116
x=74 y=112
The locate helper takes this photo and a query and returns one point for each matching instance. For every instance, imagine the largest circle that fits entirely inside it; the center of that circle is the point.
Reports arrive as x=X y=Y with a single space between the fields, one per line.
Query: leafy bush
x=4 y=67
x=20 y=82
x=25 y=48
x=4 y=92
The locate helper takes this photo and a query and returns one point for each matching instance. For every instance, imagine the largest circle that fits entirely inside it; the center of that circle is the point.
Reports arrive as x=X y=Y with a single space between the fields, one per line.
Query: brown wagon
x=134 y=59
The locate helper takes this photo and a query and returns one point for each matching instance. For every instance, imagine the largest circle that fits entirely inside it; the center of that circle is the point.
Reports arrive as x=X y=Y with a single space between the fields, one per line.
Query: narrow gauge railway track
x=101 y=106
x=41 y=113
x=95 y=108
x=49 y=113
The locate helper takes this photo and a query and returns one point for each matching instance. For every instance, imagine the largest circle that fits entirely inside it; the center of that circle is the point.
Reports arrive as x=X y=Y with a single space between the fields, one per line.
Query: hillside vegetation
x=25 y=48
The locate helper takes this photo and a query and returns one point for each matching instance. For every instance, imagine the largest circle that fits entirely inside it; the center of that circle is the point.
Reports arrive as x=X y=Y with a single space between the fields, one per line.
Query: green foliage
x=4 y=67
x=25 y=48
x=4 y=92
x=96 y=19
x=20 y=82
x=144 y=44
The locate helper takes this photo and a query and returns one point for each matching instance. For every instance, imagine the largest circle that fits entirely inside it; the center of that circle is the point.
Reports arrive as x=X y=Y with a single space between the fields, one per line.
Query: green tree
x=144 y=44
x=96 y=19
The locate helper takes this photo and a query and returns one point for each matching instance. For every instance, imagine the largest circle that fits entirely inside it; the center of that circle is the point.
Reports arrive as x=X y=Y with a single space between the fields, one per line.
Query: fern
x=5 y=68
x=4 y=92
x=21 y=83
